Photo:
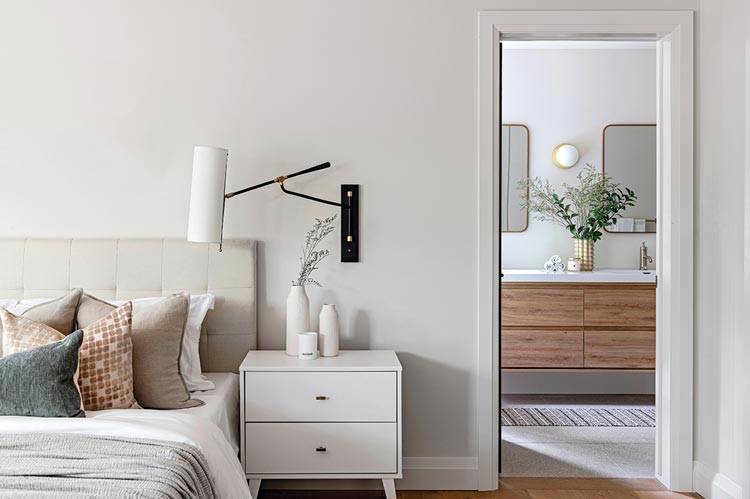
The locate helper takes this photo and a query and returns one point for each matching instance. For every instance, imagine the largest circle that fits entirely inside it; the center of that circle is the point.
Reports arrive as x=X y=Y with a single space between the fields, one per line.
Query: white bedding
x=174 y=426
x=222 y=406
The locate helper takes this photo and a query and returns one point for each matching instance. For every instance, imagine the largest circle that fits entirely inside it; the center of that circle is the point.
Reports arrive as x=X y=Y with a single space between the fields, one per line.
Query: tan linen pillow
x=157 y=345
x=59 y=314
x=21 y=333
x=106 y=362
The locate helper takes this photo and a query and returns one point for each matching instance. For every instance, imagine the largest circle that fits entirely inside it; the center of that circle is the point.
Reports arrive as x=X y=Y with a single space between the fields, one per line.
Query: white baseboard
x=713 y=485
x=420 y=473
x=439 y=473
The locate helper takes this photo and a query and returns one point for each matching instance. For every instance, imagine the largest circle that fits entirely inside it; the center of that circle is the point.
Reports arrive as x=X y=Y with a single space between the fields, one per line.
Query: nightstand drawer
x=320 y=396
x=307 y=448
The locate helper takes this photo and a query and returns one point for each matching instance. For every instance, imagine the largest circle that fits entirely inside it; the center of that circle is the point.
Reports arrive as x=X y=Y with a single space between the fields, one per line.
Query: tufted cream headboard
x=119 y=269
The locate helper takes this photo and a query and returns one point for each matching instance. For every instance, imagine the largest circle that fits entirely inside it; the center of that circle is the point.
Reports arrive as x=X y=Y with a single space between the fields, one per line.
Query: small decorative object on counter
x=574 y=264
x=329 y=331
x=308 y=345
x=554 y=265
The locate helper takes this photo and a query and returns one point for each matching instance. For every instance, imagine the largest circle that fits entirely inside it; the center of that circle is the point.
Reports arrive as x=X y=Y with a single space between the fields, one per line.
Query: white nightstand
x=334 y=417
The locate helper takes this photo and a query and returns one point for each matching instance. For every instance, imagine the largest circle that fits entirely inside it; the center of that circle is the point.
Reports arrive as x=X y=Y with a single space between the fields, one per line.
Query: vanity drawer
x=303 y=448
x=541 y=307
x=619 y=349
x=541 y=348
x=620 y=306
x=320 y=396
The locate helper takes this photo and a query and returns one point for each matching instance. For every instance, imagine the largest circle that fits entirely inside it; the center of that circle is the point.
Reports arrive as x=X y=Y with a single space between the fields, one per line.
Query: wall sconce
x=208 y=200
x=565 y=156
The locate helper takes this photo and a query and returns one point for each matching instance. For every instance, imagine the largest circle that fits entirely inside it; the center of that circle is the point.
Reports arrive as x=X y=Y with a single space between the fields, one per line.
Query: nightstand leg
x=255 y=487
x=390 y=488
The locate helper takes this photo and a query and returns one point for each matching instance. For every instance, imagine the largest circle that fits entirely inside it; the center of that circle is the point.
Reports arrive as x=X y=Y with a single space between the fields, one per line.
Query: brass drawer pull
x=320 y=449
x=321 y=397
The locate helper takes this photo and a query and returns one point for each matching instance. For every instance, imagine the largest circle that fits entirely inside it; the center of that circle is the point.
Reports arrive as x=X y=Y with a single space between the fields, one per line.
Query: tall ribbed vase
x=329 y=331
x=297 y=318
x=584 y=249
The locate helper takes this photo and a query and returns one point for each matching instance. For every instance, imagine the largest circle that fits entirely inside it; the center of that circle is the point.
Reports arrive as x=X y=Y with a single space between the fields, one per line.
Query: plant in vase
x=584 y=210
x=298 y=304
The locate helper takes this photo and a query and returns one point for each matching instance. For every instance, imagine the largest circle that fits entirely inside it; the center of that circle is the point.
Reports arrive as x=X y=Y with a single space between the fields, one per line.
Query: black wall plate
x=349 y=222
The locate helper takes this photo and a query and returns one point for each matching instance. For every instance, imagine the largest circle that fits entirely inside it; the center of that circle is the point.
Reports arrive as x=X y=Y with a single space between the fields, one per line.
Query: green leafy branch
x=583 y=210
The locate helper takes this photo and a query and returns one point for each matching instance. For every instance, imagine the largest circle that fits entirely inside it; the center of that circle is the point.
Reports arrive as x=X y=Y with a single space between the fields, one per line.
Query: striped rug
x=577 y=416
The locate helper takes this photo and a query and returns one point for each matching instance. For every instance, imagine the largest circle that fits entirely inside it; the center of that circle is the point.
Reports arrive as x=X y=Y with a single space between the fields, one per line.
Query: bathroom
x=578 y=345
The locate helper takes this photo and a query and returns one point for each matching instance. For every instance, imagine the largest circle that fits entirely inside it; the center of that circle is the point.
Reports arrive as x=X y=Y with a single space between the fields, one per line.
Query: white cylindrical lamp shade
x=206 y=213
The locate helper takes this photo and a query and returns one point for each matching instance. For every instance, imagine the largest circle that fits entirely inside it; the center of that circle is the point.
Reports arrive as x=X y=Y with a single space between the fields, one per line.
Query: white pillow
x=18 y=307
x=8 y=304
x=190 y=361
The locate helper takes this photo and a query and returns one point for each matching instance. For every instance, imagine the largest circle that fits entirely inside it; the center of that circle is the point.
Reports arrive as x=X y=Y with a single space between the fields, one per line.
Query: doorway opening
x=672 y=30
x=578 y=346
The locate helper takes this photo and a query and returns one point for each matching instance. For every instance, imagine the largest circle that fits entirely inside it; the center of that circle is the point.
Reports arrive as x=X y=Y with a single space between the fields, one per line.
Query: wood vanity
x=604 y=322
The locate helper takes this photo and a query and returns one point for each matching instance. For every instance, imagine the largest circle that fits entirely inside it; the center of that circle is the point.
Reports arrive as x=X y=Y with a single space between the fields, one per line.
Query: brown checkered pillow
x=106 y=362
x=21 y=334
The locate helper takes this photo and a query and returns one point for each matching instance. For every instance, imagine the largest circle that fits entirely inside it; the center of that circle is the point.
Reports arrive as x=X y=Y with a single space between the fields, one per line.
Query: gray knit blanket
x=69 y=465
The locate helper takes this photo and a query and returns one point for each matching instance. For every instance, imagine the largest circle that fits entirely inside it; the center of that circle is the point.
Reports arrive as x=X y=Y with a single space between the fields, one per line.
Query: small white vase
x=297 y=318
x=329 y=331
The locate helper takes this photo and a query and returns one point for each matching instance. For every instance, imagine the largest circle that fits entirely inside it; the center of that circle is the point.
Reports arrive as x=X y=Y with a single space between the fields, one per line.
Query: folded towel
x=625 y=224
x=639 y=225
x=554 y=265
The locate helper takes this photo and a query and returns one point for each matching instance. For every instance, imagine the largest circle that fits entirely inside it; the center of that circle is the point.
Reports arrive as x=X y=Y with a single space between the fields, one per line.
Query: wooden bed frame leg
x=390 y=488
x=254 y=488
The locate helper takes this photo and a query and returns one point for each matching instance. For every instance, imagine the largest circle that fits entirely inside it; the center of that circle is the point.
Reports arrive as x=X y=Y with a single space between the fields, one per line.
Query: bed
x=128 y=269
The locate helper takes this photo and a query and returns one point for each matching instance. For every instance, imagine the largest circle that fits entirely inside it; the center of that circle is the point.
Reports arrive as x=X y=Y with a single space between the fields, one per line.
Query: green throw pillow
x=40 y=381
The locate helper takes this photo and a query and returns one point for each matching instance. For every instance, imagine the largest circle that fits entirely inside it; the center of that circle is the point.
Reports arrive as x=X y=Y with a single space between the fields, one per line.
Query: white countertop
x=603 y=275
x=347 y=360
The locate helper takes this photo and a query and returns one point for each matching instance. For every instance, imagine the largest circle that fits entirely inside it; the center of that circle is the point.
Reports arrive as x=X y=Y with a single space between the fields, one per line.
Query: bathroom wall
x=568 y=92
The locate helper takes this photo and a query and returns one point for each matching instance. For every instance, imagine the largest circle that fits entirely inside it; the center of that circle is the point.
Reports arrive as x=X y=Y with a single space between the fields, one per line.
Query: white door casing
x=674 y=351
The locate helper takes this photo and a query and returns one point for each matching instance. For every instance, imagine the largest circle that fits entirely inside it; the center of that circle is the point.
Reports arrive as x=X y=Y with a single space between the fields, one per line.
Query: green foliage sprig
x=583 y=210
x=311 y=257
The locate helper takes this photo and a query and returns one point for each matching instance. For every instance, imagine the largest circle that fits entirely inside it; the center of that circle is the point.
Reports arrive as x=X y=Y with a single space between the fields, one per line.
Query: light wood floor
x=514 y=488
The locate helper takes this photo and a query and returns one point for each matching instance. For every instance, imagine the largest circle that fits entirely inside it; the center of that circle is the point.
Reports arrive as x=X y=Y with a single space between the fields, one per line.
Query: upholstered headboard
x=119 y=269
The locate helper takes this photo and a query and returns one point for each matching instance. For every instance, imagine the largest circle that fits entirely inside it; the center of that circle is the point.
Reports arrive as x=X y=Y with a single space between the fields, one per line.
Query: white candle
x=308 y=345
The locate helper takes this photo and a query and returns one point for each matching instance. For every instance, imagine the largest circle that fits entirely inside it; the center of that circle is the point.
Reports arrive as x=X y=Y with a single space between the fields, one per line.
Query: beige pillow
x=157 y=345
x=21 y=334
x=106 y=362
x=59 y=314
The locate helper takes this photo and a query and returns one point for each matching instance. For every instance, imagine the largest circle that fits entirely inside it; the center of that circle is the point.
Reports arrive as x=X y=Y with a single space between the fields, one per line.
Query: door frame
x=673 y=30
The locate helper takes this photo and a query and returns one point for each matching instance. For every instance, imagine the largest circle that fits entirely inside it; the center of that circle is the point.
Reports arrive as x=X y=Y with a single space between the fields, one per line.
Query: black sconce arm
x=349 y=204
x=280 y=180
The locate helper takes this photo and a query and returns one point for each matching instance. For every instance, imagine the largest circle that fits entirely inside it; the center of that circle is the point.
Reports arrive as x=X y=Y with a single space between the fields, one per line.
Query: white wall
x=568 y=92
x=721 y=249
x=102 y=102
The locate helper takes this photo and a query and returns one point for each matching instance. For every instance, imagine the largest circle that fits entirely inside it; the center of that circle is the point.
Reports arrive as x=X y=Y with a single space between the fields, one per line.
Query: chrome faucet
x=645 y=259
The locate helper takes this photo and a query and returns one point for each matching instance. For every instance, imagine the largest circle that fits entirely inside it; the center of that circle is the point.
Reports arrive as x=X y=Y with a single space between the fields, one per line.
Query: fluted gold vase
x=584 y=249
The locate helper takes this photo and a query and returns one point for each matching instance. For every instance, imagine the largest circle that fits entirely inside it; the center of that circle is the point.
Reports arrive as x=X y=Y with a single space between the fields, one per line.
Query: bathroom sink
x=598 y=275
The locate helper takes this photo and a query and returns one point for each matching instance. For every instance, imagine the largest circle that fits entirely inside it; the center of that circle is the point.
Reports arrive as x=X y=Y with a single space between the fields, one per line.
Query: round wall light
x=565 y=156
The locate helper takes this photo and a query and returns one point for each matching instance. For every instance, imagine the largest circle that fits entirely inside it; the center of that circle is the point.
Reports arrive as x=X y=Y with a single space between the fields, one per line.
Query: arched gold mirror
x=514 y=168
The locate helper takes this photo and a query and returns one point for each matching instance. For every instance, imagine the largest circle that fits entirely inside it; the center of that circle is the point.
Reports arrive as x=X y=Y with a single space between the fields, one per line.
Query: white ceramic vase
x=328 y=338
x=297 y=318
